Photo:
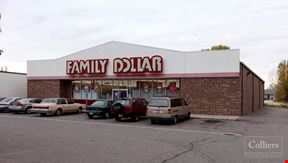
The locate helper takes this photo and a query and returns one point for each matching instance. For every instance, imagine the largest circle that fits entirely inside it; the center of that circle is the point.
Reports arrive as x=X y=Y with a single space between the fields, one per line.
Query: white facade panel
x=13 y=85
x=174 y=62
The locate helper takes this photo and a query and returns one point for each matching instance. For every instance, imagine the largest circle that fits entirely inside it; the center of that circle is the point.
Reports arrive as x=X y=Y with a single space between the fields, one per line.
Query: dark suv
x=129 y=108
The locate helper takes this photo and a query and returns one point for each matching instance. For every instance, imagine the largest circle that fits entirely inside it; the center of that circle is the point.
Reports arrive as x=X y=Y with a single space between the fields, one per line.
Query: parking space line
x=13 y=153
x=128 y=126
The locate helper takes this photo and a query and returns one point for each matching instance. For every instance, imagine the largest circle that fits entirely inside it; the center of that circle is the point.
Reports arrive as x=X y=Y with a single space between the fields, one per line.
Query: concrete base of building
x=226 y=117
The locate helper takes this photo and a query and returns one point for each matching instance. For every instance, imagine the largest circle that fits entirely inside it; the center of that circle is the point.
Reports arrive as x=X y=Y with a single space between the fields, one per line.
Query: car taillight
x=19 y=104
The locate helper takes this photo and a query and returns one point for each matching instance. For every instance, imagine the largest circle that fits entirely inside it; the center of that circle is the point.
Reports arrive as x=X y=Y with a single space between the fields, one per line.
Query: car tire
x=152 y=121
x=90 y=116
x=42 y=114
x=58 y=112
x=6 y=110
x=27 y=111
x=175 y=120
x=79 y=111
x=188 y=116
x=107 y=115
x=117 y=118
x=136 y=118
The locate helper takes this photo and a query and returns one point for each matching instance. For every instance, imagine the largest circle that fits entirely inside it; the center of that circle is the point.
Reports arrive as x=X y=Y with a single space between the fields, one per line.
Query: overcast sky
x=45 y=29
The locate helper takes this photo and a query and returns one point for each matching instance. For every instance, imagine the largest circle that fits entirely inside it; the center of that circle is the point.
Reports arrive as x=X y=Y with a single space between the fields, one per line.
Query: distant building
x=13 y=84
x=269 y=94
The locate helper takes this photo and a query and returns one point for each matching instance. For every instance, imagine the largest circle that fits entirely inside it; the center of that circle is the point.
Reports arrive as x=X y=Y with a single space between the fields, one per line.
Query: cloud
x=50 y=29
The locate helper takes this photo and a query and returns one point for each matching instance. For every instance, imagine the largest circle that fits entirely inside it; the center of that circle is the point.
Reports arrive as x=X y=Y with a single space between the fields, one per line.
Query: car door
x=70 y=106
x=186 y=108
x=174 y=107
x=143 y=106
x=63 y=105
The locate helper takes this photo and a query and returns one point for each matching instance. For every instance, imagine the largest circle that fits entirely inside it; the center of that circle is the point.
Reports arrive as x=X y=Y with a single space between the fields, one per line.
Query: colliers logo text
x=152 y=64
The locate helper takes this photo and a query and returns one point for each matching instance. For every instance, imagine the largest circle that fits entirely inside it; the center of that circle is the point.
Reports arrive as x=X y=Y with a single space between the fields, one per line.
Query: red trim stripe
x=133 y=76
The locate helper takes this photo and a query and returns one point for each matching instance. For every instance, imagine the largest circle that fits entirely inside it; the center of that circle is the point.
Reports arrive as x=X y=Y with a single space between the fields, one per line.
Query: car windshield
x=49 y=100
x=99 y=103
x=158 y=103
x=124 y=101
x=7 y=99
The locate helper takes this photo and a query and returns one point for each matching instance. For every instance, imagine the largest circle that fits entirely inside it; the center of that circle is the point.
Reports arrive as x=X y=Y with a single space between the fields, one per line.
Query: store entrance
x=119 y=93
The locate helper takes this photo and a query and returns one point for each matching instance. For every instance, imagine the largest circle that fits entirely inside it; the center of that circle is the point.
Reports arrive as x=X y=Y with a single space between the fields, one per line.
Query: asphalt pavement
x=75 y=138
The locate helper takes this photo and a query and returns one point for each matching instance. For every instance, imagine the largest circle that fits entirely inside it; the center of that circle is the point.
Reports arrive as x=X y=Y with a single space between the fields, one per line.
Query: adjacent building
x=13 y=84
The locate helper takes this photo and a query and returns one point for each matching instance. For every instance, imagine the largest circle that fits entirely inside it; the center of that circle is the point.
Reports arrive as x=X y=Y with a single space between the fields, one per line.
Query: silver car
x=168 y=108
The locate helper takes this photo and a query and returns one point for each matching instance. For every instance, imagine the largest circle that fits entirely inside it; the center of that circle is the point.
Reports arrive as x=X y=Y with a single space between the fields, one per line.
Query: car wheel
x=107 y=115
x=152 y=121
x=43 y=114
x=188 y=116
x=118 y=119
x=58 y=112
x=175 y=119
x=27 y=111
x=90 y=116
x=79 y=110
x=136 y=118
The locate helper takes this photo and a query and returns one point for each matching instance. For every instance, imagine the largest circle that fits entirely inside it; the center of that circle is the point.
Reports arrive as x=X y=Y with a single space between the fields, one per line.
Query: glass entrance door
x=119 y=93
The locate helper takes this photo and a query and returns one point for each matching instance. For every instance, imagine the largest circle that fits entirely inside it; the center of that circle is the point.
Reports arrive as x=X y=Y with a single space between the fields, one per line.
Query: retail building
x=213 y=82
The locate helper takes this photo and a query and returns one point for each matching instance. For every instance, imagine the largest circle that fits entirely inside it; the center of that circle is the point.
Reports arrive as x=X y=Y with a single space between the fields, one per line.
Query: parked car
x=1 y=98
x=129 y=108
x=56 y=106
x=167 y=108
x=100 y=108
x=24 y=105
x=5 y=103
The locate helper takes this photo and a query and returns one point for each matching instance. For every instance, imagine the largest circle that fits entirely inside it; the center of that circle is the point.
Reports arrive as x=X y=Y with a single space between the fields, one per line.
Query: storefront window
x=173 y=88
x=96 y=89
x=146 y=89
x=107 y=87
x=159 y=87
x=135 y=88
x=86 y=89
x=76 y=89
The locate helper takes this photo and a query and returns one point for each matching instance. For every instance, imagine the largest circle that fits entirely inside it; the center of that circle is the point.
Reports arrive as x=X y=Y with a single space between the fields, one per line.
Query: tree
x=220 y=47
x=281 y=91
x=217 y=47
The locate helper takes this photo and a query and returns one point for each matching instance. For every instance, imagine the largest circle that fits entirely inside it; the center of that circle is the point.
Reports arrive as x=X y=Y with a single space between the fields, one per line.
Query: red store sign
x=152 y=64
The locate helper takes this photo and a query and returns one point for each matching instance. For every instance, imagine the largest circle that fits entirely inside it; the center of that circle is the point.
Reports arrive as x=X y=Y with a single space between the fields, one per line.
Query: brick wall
x=66 y=88
x=252 y=91
x=261 y=95
x=216 y=96
x=43 y=88
x=256 y=94
x=247 y=92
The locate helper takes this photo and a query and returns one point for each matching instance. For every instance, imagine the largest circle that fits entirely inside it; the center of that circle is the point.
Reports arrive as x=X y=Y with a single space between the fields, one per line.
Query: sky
x=44 y=29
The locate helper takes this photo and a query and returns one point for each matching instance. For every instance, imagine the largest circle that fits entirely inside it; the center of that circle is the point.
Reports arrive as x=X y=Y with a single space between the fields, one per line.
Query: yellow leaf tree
x=281 y=91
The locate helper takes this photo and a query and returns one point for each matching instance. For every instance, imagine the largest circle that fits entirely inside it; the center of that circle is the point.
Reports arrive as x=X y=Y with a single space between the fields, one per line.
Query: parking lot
x=75 y=138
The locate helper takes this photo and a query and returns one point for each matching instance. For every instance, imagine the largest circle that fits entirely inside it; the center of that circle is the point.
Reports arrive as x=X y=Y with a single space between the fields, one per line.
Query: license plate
x=120 y=115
